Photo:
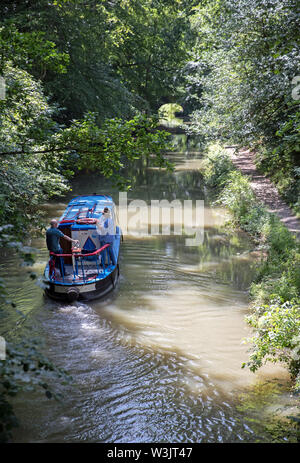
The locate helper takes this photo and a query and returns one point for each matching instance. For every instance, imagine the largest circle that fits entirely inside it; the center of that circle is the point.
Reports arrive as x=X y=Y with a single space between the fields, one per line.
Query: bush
x=25 y=368
x=238 y=196
x=277 y=278
x=277 y=337
x=278 y=237
x=217 y=166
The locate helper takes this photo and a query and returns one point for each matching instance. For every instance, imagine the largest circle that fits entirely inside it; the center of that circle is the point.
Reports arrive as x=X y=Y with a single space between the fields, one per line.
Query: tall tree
x=247 y=57
x=123 y=56
x=152 y=41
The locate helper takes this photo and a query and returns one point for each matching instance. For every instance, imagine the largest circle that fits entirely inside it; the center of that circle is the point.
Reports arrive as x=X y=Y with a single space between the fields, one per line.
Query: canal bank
x=274 y=293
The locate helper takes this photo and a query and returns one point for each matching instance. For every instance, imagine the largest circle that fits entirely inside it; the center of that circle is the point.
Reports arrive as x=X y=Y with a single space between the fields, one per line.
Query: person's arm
x=70 y=239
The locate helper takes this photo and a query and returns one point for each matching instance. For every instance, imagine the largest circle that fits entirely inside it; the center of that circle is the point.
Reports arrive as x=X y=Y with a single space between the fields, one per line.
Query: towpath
x=263 y=188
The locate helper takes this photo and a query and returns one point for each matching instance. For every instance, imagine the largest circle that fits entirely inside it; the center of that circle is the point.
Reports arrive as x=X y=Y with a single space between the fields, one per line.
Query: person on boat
x=106 y=231
x=53 y=235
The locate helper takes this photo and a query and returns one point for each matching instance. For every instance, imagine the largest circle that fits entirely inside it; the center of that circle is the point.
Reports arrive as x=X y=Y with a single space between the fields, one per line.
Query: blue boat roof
x=88 y=206
x=91 y=198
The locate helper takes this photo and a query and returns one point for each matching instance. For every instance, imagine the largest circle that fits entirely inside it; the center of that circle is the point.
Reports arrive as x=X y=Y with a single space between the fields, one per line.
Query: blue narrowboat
x=88 y=271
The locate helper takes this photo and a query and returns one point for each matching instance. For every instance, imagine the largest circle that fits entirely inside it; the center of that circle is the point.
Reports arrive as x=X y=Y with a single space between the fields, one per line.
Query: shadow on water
x=159 y=360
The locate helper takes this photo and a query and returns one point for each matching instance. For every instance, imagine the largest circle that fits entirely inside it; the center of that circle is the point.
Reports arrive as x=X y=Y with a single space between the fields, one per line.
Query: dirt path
x=264 y=189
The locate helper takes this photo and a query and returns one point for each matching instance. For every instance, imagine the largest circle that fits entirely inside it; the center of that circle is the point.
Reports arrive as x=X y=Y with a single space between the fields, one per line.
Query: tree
x=152 y=41
x=36 y=154
x=77 y=33
x=247 y=56
x=123 y=57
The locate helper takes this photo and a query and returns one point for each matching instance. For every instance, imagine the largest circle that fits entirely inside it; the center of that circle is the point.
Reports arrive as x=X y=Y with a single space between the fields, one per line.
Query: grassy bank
x=275 y=292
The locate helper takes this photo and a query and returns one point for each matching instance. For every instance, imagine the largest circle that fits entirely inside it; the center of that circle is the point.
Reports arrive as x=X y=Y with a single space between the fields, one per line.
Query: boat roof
x=88 y=206
x=103 y=199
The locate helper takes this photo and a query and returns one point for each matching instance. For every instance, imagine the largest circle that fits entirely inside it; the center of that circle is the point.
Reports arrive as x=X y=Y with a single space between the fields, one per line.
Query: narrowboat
x=87 y=272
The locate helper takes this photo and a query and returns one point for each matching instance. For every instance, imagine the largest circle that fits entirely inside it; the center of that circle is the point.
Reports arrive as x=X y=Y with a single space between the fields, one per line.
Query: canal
x=159 y=360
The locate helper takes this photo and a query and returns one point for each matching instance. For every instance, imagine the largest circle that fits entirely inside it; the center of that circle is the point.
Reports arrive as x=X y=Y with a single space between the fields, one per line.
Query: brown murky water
x=159 y=360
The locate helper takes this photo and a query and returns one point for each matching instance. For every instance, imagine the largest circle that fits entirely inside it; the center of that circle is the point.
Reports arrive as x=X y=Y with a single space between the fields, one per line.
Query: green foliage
x=117 y=142
x=115 y=58
x=238 y=196
x=151 y=44
x=30 y=51
x=234 y=191
x=282 y=163
x=277 y=339
x=250 y=49
x=244 y=63
x=36 y=154
x=26 y=177
x=278 y=275
x=217 y=166
x=167 y=114
x=24 y=369
x=68 y=50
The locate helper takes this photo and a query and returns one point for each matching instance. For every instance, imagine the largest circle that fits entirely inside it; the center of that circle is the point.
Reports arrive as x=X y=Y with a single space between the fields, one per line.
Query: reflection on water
x=160 y=359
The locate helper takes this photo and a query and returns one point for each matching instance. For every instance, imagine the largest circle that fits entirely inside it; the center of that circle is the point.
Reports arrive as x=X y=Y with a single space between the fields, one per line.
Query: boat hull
x=88 y=291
